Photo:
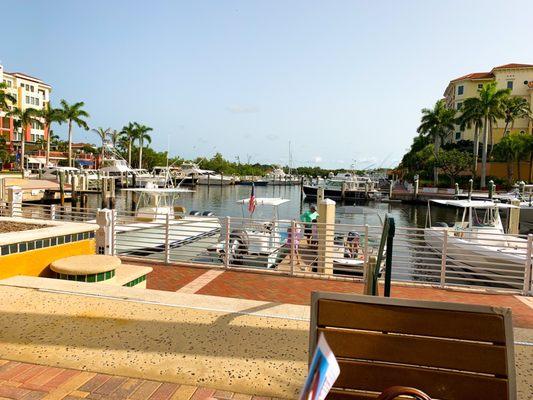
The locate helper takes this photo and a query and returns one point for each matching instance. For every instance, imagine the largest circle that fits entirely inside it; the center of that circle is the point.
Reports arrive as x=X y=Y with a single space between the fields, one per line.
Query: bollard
x=73 y=192
x=456 y=189
x=470 y=188
x=391 y=187
x=514 y=217
x=112 y=194
x=416 y=188
x=105 y=239
x=491 y=189
x=61 y=188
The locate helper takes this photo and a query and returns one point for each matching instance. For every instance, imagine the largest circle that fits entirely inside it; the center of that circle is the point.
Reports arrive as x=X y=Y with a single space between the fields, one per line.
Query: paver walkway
x=284 y=289
x=30 y=381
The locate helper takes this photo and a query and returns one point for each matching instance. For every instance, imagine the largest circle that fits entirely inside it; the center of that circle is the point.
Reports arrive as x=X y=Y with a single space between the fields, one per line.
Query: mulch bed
x=10 y=226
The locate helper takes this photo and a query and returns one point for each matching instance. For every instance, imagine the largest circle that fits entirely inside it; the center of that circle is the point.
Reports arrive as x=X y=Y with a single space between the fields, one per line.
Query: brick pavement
x=283 y=289
x=29 y=381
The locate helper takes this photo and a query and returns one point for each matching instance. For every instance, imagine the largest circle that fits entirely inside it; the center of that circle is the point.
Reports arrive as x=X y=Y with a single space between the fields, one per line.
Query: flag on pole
x=251 y=203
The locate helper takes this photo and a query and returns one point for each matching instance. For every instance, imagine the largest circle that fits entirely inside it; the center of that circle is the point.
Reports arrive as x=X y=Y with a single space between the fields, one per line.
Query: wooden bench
x=449 y=351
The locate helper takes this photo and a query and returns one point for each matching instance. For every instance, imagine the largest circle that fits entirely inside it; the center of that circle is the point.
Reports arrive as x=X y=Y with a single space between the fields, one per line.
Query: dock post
x=343 y=190
x=73 y=191
x=370 y=267
x=416 y=188
x=456 y=189
x=522 y=187
x=491 y=189
x=112 y=193
x=40 y=173
x=319 y=194
x=167 y=238
x=527 y=276
x=470 y=188
x=103 y=191
x=62 y=188
x=105 y=234
x=52 y=214
x=208 y=180
x=391 y=187
x=514 y=217
x=221 y=178
x=326 y=236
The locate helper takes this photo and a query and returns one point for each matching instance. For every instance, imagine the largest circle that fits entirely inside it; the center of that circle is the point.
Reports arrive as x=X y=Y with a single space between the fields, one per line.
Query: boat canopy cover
x=158 y=190
x=265 y=201
x=472 y=203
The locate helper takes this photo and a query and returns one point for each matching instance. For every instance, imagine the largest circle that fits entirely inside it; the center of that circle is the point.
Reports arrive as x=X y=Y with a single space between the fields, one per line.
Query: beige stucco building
x=517 y=77
x=30 y=92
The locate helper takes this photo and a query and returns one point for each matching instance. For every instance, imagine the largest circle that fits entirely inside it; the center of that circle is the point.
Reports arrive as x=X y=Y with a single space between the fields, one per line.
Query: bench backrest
x=450 y=351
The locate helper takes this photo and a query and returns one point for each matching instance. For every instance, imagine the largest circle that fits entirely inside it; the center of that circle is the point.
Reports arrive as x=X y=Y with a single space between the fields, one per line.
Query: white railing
x=436 y=257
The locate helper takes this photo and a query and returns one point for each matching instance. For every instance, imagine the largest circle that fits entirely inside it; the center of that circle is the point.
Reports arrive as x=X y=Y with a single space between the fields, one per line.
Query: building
x=517 y=77
x=30 y=92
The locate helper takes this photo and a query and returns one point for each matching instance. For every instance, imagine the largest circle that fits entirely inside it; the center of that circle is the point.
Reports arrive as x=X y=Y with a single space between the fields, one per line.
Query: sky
x=342 y=81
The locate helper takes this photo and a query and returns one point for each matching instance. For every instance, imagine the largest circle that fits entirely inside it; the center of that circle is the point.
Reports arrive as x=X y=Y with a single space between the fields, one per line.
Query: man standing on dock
x=307 y=218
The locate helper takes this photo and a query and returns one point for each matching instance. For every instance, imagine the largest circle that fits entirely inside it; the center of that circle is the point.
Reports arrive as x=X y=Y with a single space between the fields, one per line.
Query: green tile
x=60 y=239
x=13 y=248
x=23 y=246
x=91 y=278
x=71 y=277
x=39 y=244
x=4 y=250
x=68 y=238
x=31 y=245
x=53 y=241
x=80 y=278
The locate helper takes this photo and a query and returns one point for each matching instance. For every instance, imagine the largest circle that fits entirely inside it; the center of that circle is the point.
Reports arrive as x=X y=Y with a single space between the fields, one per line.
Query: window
x=36 y=101
x=31 y=88
x=459 y=105
x=480 y=86
x=27 y=99
x=457 y=135
x=510 y=85
x=460 y=90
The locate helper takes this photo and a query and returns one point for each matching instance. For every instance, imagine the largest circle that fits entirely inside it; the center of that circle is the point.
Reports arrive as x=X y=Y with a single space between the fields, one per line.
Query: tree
x=5 y=156
x=23 y=120
x=128 y=132
x=50 y=115
x=511 y=149
x=454 y=162
x=514 y=108
x=114 y=136
x=472 y=115
x=74 y=114
x=6 y=99
x=437 y=124
x=141 y=134
x=102 y=134
x=490 y=105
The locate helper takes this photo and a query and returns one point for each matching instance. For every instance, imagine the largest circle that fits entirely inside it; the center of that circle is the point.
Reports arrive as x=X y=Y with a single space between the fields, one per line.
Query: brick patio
x=29 y=381
x=283 y=289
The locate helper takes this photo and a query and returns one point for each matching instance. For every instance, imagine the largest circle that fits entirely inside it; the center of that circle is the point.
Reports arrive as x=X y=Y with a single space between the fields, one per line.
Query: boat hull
x=336 y=194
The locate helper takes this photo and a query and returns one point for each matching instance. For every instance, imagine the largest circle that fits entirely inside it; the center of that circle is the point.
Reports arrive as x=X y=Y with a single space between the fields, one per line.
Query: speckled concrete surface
x=229 y=351
x=524 y=363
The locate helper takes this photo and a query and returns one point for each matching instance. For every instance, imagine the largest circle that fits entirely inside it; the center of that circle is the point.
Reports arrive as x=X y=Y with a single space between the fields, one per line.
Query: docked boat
x=343 y=186
x=278 y=177
x=212 y=178
x=476 y=241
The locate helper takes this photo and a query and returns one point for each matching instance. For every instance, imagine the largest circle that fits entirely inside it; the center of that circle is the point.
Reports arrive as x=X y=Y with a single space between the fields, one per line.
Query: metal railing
x=437 y=256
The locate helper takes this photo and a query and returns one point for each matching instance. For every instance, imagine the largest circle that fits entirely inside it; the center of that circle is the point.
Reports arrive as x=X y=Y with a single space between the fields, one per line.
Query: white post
x=294 y=237
x=527 y=272
x=443 y=259
x=226 y=246
x=105 y=233
x=52 y=212
x=14 y=198
x=167 y=240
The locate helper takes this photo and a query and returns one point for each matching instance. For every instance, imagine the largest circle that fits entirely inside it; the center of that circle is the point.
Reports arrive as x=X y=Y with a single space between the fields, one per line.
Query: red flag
x=251 y=203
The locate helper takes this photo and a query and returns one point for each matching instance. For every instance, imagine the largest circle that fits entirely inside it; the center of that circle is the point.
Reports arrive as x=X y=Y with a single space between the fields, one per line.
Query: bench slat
x=430 y=352
x=436 y=383
x=412 y=320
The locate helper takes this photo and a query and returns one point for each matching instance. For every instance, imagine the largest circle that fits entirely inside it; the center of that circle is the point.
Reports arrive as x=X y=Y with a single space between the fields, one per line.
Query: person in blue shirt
x=307 y=218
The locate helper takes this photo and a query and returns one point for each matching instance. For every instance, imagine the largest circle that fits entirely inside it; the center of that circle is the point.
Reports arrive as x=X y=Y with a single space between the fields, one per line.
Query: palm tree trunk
x=129 y=152
x=47 y=145
x=436 y=147
x=491 y=139
x=518 y=173
x=141 y=152
x=70 y=143
x=102 y=155
x=484 y=154
x=22 y=150
x=476 y=149
x=505 y=128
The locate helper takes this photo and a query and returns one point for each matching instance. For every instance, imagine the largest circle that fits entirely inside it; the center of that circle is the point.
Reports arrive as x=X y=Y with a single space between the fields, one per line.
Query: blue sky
x=342 y=80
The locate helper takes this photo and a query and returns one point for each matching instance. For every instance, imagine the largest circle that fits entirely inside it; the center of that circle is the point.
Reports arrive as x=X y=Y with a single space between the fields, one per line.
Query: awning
x=85 y=162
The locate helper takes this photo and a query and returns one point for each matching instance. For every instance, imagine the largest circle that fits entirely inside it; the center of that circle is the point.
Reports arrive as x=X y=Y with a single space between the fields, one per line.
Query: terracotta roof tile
x=475 y=75
x=513 y=65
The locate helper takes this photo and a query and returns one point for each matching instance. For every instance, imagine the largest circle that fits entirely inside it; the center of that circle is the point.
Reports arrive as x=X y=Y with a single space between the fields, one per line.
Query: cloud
x=272 y=137
x=318 y=159
x=236 y=109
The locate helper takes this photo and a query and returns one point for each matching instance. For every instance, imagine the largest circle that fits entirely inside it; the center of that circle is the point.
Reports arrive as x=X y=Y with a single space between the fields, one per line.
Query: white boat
x=477 y=242
x=52 y=173
x=278 y=177
x=212 y=178
x=254 y=242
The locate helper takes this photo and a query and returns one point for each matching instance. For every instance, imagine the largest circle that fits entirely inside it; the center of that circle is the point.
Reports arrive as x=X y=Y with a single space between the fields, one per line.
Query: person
x=307 y=218
x=351 y=245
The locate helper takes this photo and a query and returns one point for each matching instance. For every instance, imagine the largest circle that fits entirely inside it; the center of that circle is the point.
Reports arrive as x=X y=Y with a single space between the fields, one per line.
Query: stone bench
x=100 y=269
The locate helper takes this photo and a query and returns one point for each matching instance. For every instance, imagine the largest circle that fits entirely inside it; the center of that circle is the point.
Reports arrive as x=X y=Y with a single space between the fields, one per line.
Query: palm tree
x=114 y=136
x=472 y=115
x=102 y=133
x=50 y=115
x=23 y=121
x=6 y=99
x=74 y=114
x=437 y=124
x=141 y=134
x=491 y=107
x=515 y=108
x=128 y=132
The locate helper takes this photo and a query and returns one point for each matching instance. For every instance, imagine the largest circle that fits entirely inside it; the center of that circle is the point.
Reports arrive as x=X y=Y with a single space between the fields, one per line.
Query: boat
x=252 y=180
x=278 y=177
x=212 y=178
x=52 y=172
x=343 y=186
x=253 y=241
x=476 y=241
x=113 y=165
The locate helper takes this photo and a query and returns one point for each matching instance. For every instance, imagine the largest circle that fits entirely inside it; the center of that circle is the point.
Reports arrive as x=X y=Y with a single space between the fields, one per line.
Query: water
x=222 y=201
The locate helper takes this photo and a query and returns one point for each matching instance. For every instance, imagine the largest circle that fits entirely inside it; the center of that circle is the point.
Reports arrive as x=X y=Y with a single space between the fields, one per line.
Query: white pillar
x=326 y=236
x=14 y=198
x=105 y=235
